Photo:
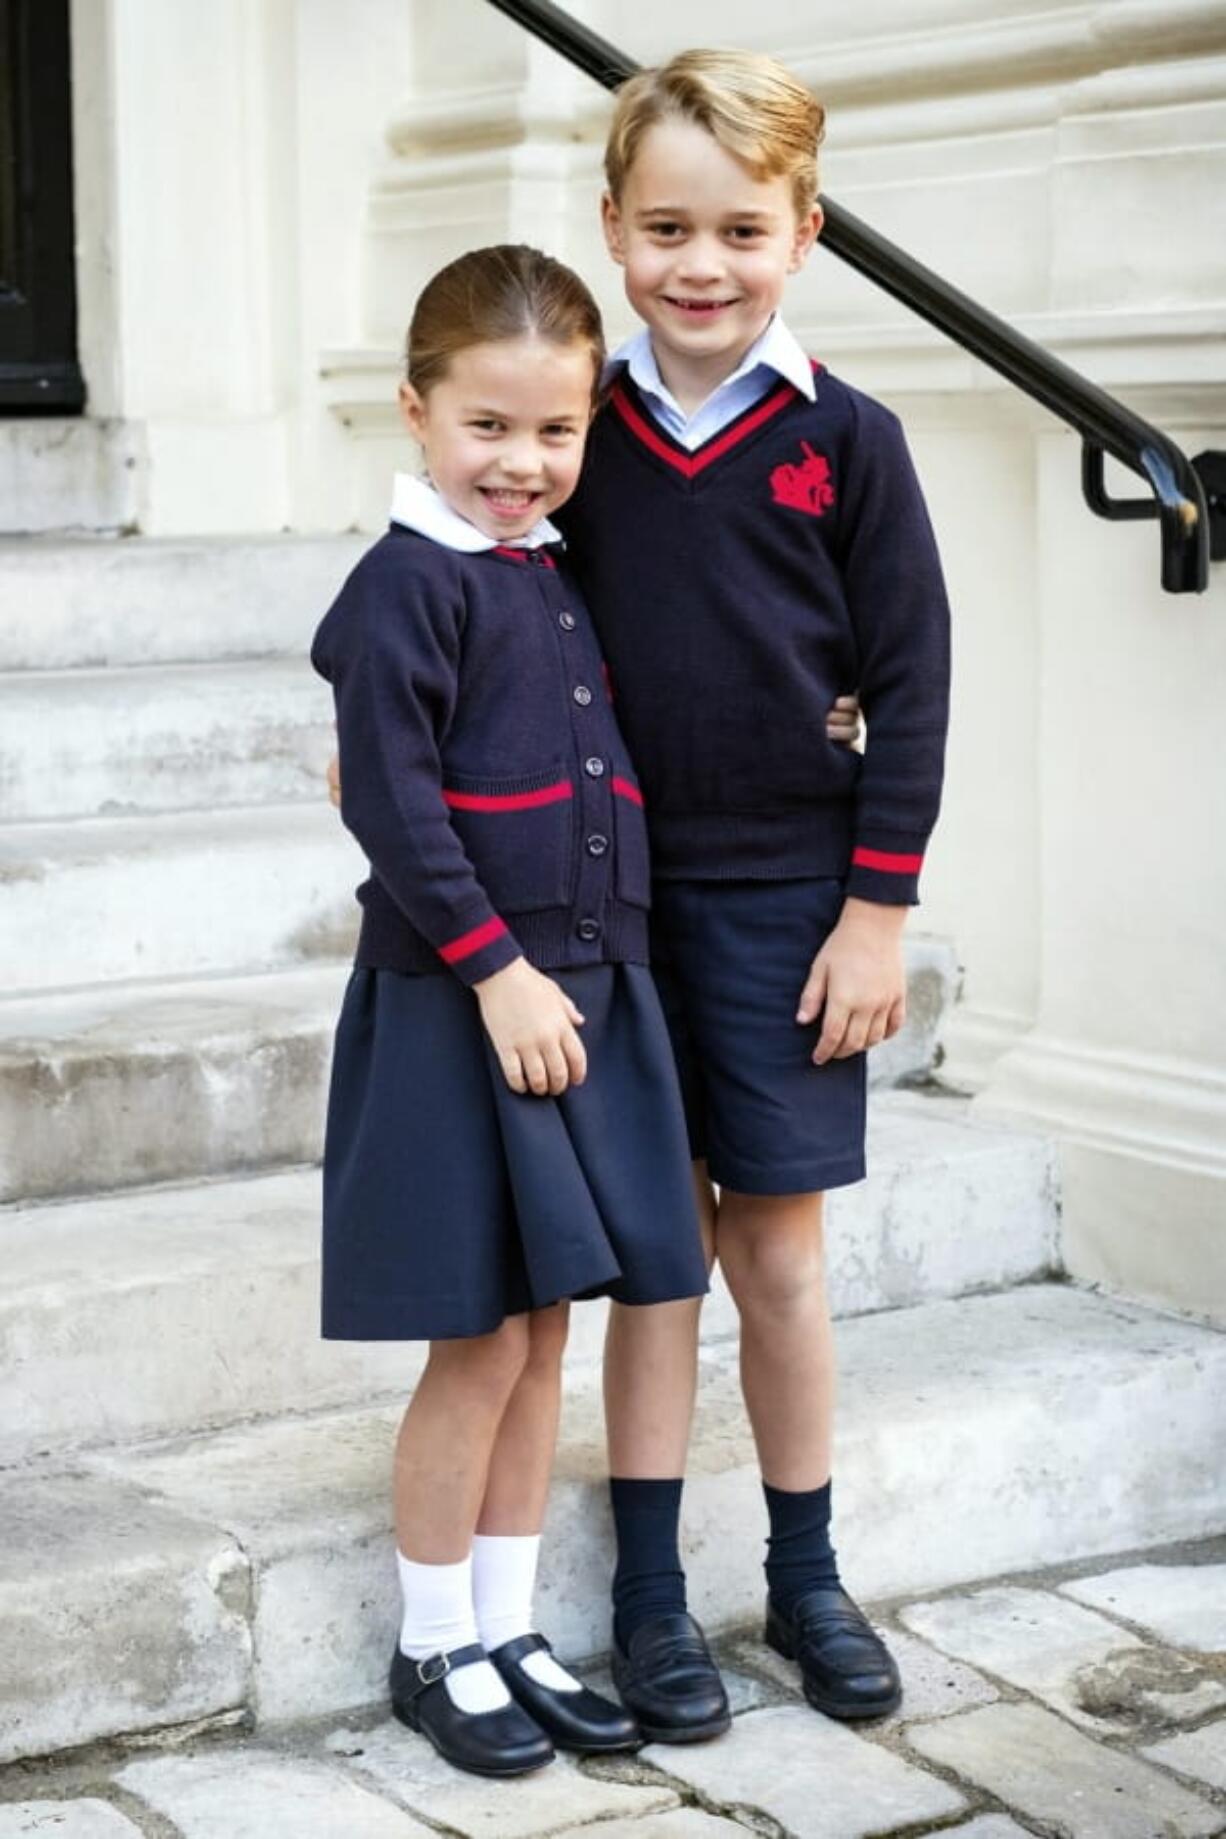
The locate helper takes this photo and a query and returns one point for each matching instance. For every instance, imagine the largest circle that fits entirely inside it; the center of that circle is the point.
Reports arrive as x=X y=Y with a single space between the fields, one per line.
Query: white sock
x=437 y=1616
x=504 y=1578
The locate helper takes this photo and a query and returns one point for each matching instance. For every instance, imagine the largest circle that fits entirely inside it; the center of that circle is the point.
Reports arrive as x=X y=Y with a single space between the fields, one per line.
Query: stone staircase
x=194 y=1517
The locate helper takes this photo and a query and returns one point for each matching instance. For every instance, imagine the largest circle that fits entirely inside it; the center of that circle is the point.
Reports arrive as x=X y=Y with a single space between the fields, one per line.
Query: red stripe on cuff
x=888 y=864
x=469 y=942
x=624 y=789
x=510 y=801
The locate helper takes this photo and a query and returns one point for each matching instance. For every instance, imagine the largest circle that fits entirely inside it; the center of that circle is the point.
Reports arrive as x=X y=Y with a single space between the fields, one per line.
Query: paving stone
x=1032 y=1760
x=817 y=1778
x=1183 y=1603
x=989 y=1826
x=933 y=1685
x=682 y=1823
x=1198 y=1753
x=405 y=1766
x=1092 y=1670
x=64 y=1820
x=229 y=1794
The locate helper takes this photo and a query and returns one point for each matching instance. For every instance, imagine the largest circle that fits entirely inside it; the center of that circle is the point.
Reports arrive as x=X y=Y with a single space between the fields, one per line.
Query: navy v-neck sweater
x=737 y=590
x=482 y=771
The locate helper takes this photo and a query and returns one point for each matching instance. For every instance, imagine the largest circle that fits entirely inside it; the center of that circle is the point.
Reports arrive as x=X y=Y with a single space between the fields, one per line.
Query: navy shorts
x=730 y=959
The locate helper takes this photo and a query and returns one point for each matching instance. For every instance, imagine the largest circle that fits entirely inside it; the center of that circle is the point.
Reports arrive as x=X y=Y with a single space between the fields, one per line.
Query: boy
x=751 y=538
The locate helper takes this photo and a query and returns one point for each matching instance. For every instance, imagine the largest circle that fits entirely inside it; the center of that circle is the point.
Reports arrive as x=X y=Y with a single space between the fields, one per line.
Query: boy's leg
x=771 y=1251
x=661 y=1662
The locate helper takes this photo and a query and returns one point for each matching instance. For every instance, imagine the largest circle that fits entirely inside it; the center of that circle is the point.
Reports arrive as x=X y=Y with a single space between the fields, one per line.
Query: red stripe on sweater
x=509 y=801
x=469 y=942
x=689 y=464
x=887 y=863
x=624 y=789
x=521 y=555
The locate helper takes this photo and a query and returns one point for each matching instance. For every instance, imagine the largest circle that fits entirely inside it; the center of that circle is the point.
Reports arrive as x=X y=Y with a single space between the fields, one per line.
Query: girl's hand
x=334 y=780
x=532 y=1021
x=843 y=724
x=859 y=980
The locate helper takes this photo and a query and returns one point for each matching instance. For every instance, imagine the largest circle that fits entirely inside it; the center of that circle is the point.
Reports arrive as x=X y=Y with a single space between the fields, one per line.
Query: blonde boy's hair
x=751 y=105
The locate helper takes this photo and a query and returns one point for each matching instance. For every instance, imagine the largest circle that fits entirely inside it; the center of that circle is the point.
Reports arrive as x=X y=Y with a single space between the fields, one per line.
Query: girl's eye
x=486 y=425
x=746 y=232
x=666 y=229
x=558 y=431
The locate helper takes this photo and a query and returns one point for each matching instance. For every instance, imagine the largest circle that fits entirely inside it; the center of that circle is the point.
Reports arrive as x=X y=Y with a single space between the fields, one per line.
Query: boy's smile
x=706 y=248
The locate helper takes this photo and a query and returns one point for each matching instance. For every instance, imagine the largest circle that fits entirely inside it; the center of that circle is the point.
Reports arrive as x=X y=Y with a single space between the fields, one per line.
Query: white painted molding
x=1168 y=1112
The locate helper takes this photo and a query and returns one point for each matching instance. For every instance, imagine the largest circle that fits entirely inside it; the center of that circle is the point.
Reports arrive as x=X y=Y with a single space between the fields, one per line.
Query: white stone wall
x=245 y=285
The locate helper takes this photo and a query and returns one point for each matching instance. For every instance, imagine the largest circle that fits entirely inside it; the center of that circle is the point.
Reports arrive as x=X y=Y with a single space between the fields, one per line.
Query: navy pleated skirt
x=451 y=1202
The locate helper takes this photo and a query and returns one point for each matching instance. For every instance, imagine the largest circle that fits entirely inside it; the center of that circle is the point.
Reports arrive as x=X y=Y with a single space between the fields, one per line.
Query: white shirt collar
x=777 y=348
x=417 y=505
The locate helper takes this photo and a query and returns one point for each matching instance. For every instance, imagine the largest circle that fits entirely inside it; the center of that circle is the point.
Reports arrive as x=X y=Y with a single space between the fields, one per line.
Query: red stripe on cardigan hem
x=624 y=789
x=887 y=863
x=509 y=801
x=689 y=464
x=469 y=942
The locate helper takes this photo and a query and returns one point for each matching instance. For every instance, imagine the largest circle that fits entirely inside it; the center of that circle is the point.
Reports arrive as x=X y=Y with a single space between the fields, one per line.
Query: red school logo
x=805 y=487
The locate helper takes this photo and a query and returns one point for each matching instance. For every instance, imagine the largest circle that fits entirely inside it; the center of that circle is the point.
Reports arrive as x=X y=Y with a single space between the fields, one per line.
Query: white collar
x=776 y=347
x=417 y=505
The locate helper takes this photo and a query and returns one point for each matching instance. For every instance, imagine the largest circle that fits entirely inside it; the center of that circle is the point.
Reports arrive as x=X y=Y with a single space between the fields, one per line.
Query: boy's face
x=705 y=246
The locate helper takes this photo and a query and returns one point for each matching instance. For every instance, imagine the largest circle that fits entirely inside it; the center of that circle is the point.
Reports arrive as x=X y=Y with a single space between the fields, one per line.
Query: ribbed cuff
x=886 y=869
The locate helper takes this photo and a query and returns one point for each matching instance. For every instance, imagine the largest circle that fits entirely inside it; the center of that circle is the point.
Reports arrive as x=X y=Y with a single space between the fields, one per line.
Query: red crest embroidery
x=805 y=487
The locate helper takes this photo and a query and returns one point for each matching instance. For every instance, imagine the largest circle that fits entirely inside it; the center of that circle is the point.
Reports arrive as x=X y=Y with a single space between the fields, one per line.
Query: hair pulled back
x=489 y=295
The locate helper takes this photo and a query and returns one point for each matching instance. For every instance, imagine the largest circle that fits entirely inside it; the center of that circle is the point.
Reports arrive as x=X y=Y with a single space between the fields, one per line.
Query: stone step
x=170 y=1309
x=182 y=894
x=102 y=1088
x=83 y=602
x=251 y=1569
x=88 y=743
x=60 y=472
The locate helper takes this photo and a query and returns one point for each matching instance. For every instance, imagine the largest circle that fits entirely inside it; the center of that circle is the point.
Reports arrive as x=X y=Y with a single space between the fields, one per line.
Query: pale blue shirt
x=775 y=354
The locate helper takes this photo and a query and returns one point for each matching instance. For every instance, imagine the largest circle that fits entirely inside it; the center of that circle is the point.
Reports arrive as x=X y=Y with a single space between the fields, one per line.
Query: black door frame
x=39 y=369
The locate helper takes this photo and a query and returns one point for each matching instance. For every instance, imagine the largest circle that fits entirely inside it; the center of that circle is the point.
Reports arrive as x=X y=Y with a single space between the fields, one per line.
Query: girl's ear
x=808 y=229
x=611 y=224
x=412 y=409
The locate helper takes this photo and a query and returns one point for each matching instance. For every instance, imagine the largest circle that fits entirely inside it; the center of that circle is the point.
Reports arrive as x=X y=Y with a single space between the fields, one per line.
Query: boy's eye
x=485 y=424
x=665 y=229
x=746 y=232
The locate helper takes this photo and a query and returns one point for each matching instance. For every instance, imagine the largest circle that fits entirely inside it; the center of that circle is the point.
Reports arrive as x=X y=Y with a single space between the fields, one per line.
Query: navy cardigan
x=482 y=771
x=738 y=590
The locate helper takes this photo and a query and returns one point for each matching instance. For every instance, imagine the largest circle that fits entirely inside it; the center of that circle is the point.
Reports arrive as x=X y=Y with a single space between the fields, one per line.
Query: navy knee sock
x=649 y=1580
x=799 y=1555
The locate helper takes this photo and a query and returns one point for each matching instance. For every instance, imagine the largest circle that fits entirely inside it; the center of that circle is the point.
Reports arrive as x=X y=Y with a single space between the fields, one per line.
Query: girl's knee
x=489 y=1364
x=547 y=1332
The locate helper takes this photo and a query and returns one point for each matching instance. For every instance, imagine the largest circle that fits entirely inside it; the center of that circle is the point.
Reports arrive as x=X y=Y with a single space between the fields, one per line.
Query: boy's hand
x=858 y=978
x=334 y=780
x=532 y=1021
x=843 y=724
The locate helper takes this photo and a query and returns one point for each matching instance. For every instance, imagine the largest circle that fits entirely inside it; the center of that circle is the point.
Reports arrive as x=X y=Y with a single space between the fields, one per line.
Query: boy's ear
x=611 y=224
x=808 y=229
x=412 y=409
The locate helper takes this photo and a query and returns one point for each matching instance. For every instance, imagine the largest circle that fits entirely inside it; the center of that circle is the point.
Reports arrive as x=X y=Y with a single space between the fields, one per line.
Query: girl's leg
x=442 y=1464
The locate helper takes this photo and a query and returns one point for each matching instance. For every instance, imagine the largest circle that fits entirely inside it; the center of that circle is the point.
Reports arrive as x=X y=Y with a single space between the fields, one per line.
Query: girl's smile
x=502 y=432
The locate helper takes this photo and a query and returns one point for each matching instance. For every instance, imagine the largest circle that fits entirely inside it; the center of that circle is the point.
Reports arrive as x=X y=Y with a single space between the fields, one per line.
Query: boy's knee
x=771 y=1262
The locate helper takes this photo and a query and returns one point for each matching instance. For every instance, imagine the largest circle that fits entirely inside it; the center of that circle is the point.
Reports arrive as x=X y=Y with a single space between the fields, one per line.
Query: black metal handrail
x=1190 y=534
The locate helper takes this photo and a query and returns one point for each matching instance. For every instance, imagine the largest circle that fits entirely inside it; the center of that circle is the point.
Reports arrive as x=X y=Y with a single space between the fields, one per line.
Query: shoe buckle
x=437 y=1661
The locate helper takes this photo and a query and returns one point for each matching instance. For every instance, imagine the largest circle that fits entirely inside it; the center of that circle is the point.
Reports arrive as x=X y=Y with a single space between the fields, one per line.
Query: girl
x=504 y=1127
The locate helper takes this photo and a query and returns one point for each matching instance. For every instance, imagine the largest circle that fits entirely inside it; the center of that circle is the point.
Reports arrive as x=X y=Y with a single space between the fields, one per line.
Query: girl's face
x=503 y=431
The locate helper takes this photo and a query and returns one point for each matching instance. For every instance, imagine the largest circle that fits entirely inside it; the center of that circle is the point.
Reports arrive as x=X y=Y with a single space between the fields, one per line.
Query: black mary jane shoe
x=502 y=1742
x=580 y=1721
x=846 y=1668
x=667 y=1678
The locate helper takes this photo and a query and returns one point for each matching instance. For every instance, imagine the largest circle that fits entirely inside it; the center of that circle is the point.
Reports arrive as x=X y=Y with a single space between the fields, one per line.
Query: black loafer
x=581 y=1721
x=668 y=1679
x=502 y=1742
x=846 y=1668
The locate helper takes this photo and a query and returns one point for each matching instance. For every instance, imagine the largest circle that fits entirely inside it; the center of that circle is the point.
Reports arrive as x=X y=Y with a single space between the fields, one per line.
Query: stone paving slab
x=64 y=1820
x=817 y=1778
x=405 y=1766
x=1200 y=1754
x=989 y=1826
x=1183 y=1604
x=208 y=1797
x=683 y=1823
x=1090 y=1669
x=1035 y=1763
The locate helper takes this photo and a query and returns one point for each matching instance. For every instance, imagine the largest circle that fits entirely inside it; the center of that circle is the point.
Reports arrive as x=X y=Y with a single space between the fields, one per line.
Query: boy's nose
x=701 y=260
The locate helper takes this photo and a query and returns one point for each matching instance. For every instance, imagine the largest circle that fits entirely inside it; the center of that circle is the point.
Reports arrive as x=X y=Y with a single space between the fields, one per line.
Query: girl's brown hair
x=749 y=103
x=504 y=292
